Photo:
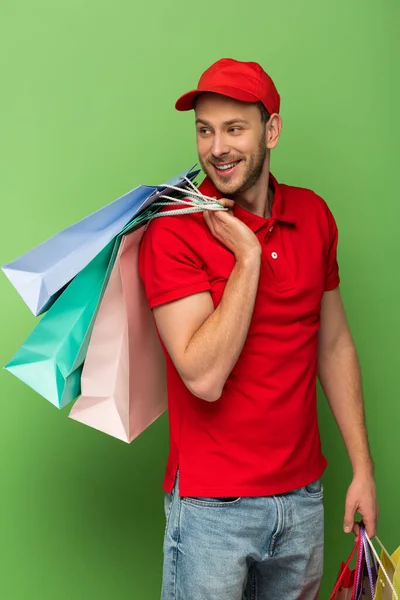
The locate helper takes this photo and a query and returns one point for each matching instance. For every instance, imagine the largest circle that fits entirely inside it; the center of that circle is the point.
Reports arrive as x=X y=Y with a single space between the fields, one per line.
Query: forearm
x=214 y=349
x=340 y=377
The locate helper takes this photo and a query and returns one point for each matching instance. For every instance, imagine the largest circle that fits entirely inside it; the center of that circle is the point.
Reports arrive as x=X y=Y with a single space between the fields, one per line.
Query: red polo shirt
x=261 y=437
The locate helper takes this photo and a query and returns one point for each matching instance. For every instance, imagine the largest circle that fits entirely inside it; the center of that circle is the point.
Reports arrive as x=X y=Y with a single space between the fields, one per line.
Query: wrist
x=364 y=470
x=250 y=257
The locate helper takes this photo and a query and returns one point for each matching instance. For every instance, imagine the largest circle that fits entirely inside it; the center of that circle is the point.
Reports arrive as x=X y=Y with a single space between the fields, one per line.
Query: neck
x=259 y=198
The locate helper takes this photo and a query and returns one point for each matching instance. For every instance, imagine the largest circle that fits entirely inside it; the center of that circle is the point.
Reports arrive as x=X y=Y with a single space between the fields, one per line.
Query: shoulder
x=164 y=229
x=302 y=197
x=306 y=206
x=176 y=238
x=171 y=263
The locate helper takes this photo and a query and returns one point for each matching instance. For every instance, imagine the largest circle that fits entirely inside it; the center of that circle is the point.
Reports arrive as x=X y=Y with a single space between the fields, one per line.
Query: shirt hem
x=332 y=286
x=248 y=491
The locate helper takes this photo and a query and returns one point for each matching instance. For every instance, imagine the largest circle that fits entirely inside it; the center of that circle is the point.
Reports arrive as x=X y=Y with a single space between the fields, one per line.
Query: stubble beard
x=255 y=166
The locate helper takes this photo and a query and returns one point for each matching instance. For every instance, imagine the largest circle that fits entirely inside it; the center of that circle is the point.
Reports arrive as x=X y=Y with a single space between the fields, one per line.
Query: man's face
x=231 y=142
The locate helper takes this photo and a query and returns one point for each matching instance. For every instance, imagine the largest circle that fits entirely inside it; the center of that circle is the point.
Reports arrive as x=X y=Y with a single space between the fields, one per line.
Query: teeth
x=226 y=167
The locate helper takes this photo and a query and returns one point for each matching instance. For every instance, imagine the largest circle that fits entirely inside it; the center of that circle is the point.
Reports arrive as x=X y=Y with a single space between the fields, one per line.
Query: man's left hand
x=361 y=498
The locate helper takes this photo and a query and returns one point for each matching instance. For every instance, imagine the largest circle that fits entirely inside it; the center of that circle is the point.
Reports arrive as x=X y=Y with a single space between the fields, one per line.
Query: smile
x=226 y=169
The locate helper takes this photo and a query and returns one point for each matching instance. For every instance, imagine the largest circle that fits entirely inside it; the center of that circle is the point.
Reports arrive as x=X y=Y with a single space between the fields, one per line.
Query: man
x=248 y=308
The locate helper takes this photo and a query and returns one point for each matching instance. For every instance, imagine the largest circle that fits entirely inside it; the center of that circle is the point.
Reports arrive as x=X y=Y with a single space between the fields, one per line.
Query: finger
x=370 y=522
x=348 y=523
x=216 y=222
x=207 y=218
x=222 y=215
x=227 y=203
x=356 y=531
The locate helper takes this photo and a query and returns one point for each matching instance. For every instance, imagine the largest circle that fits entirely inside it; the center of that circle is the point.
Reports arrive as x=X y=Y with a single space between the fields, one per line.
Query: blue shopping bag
x=41 y=274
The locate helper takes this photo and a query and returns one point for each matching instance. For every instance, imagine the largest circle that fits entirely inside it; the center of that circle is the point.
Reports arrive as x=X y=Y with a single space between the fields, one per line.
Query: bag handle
x=346 y=566
x=368 y=561
x=357 y=589
x=381 y=565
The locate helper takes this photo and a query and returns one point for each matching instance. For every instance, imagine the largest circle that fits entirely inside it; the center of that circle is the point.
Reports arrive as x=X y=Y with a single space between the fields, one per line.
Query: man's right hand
x=232 y=232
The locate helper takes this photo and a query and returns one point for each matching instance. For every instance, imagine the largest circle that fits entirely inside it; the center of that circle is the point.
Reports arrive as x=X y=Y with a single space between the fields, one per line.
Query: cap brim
x=187 y=101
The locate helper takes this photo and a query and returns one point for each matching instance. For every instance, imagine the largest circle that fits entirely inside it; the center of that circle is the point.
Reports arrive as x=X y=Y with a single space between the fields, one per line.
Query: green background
x=87 y=113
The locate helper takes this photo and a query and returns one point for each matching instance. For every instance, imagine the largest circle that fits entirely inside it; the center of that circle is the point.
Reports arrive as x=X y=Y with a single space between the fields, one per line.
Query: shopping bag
x=344 y=585
x=124 y=377
x=41 y=274
x=388 y=577
x=396 y=577
x=50 y=360
x=359 y=583
x=391 y=564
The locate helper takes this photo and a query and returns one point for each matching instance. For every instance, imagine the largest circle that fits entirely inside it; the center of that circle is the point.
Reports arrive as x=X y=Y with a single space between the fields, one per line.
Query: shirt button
x=274 y=255
x=271 y=228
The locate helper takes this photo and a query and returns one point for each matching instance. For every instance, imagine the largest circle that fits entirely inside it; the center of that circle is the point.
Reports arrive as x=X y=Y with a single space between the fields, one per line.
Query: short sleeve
x=170 y=263
x=332 y=278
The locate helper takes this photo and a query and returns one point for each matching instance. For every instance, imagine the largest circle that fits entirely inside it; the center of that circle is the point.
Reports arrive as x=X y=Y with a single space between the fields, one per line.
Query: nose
x=219 y=147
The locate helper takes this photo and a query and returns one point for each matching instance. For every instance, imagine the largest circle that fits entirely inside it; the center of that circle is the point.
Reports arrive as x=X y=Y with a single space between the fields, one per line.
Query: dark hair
x=265 y=116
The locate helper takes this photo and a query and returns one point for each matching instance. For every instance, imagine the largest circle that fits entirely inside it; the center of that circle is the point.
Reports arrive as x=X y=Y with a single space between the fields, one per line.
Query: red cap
x=244 y=81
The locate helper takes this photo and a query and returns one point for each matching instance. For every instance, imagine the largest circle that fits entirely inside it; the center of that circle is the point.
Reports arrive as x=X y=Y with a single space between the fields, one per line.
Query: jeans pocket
x=314 y=489
x=211 y=502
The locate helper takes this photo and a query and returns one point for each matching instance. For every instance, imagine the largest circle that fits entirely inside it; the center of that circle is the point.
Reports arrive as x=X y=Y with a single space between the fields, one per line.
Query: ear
x=273 y=131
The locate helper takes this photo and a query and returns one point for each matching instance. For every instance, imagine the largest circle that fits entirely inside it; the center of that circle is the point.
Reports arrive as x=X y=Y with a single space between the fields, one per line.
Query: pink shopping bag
x=124 y=376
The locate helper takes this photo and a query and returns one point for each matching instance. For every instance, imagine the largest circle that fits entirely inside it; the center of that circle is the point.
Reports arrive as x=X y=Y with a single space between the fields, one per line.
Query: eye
x=203 y=131
x=235 y=129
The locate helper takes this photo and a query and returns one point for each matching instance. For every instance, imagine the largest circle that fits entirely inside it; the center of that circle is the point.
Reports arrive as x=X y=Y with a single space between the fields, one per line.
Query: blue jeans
x=264 y=548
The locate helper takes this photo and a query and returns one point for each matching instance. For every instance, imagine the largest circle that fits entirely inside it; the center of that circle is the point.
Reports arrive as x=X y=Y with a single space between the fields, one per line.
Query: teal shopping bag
x=50 y=360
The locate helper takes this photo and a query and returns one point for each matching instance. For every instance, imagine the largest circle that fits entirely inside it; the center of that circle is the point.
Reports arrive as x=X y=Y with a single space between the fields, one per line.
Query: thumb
x=348 y=523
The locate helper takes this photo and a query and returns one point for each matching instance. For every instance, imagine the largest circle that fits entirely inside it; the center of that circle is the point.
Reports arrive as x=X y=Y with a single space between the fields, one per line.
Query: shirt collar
x=279 y=211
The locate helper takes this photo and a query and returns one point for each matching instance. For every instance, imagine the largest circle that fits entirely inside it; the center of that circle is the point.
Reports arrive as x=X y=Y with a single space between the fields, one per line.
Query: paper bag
x=392 y=568
x=123 y=380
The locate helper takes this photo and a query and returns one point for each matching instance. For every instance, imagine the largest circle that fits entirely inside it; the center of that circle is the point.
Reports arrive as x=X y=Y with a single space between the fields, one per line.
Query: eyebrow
x=230 y=122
